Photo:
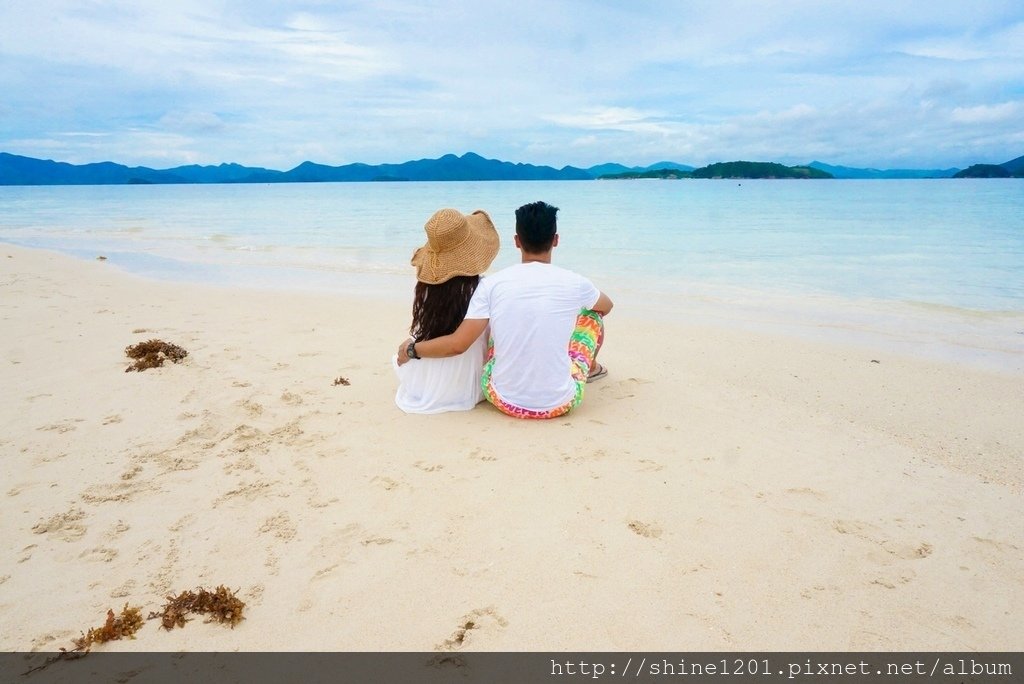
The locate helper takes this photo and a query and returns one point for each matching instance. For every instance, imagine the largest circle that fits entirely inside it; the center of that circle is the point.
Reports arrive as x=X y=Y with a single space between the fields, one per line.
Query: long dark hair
x=438 y=310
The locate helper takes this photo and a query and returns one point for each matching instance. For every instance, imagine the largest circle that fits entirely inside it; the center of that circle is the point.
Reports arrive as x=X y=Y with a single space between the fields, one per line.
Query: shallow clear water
x=921 y=246
x=940 y=242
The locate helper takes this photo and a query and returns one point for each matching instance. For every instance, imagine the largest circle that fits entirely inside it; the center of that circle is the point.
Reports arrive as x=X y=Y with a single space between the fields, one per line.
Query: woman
x=459 y=248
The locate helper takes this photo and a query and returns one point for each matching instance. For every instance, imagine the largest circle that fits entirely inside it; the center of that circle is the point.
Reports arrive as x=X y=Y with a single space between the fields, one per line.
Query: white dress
x=439 y=385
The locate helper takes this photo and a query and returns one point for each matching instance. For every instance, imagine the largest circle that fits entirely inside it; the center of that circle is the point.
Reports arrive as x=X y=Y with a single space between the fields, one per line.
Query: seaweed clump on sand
x=116 y=627
x=221 y=605
x=152 y=354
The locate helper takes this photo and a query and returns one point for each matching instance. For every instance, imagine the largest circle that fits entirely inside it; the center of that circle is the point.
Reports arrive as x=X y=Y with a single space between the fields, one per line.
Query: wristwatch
x=410 y=350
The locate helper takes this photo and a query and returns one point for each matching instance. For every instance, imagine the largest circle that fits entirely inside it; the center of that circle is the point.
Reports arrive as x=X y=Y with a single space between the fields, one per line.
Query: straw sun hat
x=457 y=245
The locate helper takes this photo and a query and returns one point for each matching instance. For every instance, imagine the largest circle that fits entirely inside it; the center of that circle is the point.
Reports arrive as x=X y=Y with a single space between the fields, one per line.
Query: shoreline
x=990 y=340
x=723 y=488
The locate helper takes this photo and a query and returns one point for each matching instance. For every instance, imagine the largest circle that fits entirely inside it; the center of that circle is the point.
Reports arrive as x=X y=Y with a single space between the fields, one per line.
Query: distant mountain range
x=848 y=172
x=736 y=169
x=1014 y=167
x=18 y=170
x=610 y=169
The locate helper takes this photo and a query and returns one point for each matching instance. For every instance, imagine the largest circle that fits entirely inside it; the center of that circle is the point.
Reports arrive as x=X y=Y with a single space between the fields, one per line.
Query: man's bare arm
x=604 y=305
x=448 y=345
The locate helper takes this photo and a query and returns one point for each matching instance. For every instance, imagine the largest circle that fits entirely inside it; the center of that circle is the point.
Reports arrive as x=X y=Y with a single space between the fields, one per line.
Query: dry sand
x=720 y=490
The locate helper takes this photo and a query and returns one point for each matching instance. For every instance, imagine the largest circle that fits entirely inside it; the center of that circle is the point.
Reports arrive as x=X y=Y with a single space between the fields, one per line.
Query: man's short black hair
x=536 y=226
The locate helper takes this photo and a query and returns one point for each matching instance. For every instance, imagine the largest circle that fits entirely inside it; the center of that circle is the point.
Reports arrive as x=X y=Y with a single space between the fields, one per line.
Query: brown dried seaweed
x=116 y=627
x=341 y=380
x=152 y=354
x=221 y=605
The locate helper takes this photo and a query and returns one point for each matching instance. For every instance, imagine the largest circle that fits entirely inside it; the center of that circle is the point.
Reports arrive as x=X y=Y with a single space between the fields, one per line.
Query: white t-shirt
x=532 y=309
x=439 y=385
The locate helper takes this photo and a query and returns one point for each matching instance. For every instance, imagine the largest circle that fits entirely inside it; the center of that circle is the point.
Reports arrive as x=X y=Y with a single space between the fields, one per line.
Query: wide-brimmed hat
x=457 y=245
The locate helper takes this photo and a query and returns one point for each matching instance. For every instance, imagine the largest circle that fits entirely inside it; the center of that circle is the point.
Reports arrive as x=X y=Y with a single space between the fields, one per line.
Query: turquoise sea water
x=868 y=250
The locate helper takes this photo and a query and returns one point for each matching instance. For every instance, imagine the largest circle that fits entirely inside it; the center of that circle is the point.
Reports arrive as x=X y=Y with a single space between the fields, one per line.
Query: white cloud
x=613 y=118
x=572 y=82
x=945 y=49
x=193 y=122
x=983 y=114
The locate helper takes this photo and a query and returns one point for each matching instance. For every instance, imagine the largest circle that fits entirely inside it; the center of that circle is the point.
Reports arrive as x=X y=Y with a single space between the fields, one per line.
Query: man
x=546 y=327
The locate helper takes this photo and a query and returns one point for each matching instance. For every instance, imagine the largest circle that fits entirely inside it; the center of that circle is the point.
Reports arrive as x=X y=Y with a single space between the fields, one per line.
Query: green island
x=984 y=171
x=735 y=169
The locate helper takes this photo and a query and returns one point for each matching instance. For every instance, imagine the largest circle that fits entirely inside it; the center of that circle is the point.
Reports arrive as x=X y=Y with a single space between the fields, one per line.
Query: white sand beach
x=721 y=489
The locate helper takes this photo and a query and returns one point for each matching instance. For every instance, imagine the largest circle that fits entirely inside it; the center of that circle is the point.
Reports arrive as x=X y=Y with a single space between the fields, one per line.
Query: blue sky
x=893 y=84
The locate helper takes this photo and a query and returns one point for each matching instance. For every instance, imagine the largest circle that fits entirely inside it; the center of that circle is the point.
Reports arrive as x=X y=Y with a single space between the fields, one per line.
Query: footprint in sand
x=428 y=467
x=250 y=492
x=875 y=535
x=291 y=398
x=116 y=492
x=99 y=554
x=281 y=526
x=806 y=491
x=479 y=455
x=894 y=581
x=65 y=526
x=649 y=530
x=43 y=643
x=649 y=465
x=377 y=541
x=691 y=569
x=625 y=389
x=254 y=594
x=476 y=621
x=50 y=458
x=245 y=437
x=243 y=463
x=290 y=433
x=253 y=408
x=59 y=427
x=386 y=482
x=999 y=555
x=117 y=529
x=334 y=549
x=126 y=589
x=272 y=562
x=161 y=582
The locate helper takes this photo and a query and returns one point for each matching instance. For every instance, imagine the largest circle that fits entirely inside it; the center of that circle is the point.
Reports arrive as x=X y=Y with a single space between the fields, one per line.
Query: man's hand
x=403 y=357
